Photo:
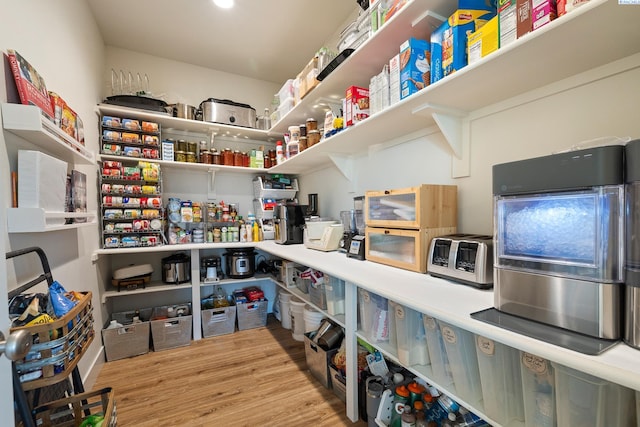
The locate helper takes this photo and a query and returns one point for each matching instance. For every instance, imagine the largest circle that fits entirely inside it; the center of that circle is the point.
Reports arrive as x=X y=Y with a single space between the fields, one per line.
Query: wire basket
x=71 y=411
x=57 y=346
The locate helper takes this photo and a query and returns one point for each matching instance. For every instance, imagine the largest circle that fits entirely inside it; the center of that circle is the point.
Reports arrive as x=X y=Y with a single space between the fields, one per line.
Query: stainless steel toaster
x=464 y=258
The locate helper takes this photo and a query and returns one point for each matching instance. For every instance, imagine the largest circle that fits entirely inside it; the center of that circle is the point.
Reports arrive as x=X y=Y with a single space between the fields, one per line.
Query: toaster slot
x=466 y=256
x=441 y=250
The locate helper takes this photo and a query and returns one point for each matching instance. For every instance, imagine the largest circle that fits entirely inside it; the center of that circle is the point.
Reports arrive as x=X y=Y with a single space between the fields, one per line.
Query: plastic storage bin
x=437 y=352
x=218 y=321
x=374 y=316
x=538 y=390
x=585 y=400
x=461 y=352
x=411 y=342
x=317 y=294
x=501 y=380
x=334 y=291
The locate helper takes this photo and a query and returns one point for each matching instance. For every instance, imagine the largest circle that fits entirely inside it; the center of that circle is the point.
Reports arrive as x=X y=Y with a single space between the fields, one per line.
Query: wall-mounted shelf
x=536 y=60
x=169 y=124
x=187 y=166
x=175 y=248
x=37 y=220
x=153 y=287
x=27 y=122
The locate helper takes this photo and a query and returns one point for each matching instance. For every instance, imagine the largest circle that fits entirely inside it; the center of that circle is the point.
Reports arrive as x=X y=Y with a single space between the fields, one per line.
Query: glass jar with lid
x=237 y=158
x=227 y=157
x=217 y=157
x=181 y=145
x=312 y=124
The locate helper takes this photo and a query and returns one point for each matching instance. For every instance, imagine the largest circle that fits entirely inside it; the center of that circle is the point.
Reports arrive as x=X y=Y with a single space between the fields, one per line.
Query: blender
x=348 y=219
x=356 y=247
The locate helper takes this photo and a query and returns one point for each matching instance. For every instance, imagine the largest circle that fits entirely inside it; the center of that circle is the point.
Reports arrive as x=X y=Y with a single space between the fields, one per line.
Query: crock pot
x=241 y=263
x=176 y=268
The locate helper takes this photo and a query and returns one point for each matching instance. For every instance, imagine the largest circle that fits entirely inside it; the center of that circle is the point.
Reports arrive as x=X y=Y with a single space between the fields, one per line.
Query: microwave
x=559 y=239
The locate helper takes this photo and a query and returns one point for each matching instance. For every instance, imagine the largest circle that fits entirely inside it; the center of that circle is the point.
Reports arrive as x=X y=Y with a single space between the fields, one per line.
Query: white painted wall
x=174 y=81
x=62 y=42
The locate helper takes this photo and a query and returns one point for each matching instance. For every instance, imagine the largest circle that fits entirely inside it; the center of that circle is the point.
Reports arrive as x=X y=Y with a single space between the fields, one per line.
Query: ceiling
x=267 y=40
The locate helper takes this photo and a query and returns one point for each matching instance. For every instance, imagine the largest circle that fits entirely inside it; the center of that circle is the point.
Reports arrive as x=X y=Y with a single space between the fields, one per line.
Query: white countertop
x=454 y=303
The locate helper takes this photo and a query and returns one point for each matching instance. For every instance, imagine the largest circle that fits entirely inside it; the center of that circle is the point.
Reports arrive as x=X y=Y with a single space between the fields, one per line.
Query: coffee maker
x=289 y=223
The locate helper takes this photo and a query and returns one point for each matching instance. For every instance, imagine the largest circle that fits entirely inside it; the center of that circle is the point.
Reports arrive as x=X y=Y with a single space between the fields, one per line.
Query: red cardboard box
x=356 y=105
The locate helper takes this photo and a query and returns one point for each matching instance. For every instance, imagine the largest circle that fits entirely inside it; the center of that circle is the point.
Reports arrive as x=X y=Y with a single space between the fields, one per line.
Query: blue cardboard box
x=415 y=67
x=449 y=41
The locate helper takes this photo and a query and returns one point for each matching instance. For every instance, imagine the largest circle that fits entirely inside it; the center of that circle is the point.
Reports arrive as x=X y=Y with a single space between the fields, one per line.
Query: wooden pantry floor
x=256 y=377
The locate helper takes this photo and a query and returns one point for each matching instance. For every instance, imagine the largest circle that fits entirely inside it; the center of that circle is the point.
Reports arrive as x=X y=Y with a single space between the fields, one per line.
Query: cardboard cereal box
x=356 y=105
x=544 y=11
x=415 y=68
x=484 y=41
x=449 y=41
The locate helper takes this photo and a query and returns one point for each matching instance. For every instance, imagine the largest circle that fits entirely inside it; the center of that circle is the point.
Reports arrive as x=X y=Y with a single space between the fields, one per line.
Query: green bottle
x=400 y=398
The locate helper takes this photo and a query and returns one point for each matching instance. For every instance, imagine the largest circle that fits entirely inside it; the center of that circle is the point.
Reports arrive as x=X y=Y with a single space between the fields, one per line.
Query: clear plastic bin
x=461 y=352
x=374 y=316
x=501 y=380
x=437 y=352
x=334 y=291
x=538 y=390
x=411 y=342
x=585 y=400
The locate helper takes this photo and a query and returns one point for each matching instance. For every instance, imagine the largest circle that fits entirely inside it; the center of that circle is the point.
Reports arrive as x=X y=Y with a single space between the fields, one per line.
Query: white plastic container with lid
x=501 y=380
x=285 y=309
x=297 y=319
x=461 y=352
x=411 y=342
x=437 y=352
x=312 y=318
x=538 y=390
x=334 y=291
x=585 y=400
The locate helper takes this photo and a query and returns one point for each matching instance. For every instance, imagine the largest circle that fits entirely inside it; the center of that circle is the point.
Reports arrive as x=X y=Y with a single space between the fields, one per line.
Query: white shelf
x=453 y=303
x=37 y=220
x=187 y=166
x=169 y=123
x=150 y=288
x=175 y=248
x=339 y=318
x=538 y=59
x=247 y=281
x=27 y=122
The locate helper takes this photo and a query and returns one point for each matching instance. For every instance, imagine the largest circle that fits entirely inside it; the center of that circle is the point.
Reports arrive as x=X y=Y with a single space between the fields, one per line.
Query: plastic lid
x=402 y=391
x=418 y=405
x=427 y=398
x=416 y=388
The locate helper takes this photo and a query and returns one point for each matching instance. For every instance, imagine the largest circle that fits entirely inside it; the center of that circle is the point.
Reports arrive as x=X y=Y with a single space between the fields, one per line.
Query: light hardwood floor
x=256 y=377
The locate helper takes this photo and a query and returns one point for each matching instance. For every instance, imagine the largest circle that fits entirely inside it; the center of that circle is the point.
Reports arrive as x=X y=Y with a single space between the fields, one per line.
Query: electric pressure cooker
x=241 y=263
x=176 y=268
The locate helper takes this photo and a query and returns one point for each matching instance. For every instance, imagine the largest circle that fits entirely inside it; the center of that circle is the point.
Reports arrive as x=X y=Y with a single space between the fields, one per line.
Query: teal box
x=449 y=41
x=415 y=68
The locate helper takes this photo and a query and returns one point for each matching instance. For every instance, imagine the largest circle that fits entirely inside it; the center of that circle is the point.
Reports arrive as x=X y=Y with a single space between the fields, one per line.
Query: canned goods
x=112 y=242
x=312 y=124
x=155 y=224
x=149 y=240
x=111 y=135
x=150 y=139
x=191 y=157
x=132 y=213
x=113 y=213
x=150 y=174
x=149 y=189
x=111 y=149
x=180 y=156
x=130 y=189
x=129 y=137
x=150 y=213
x=141 y=224
x=151 y=202
x=150 y=153
x=111 y=201
x=111 y=164
x=131 y=151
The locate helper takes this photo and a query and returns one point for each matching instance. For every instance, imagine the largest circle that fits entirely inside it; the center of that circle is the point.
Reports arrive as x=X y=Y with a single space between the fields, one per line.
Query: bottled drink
x=400 y=398
x=279 y=153
x=420 y=420
x=408 y=418
x=293 y=147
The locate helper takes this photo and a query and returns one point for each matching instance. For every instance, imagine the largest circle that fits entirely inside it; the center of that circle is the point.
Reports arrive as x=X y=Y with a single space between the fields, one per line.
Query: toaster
x=463 y=258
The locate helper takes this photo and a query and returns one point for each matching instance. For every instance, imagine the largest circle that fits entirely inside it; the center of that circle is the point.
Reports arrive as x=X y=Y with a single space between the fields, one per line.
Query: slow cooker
x=176 y=268
x=241 y=263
